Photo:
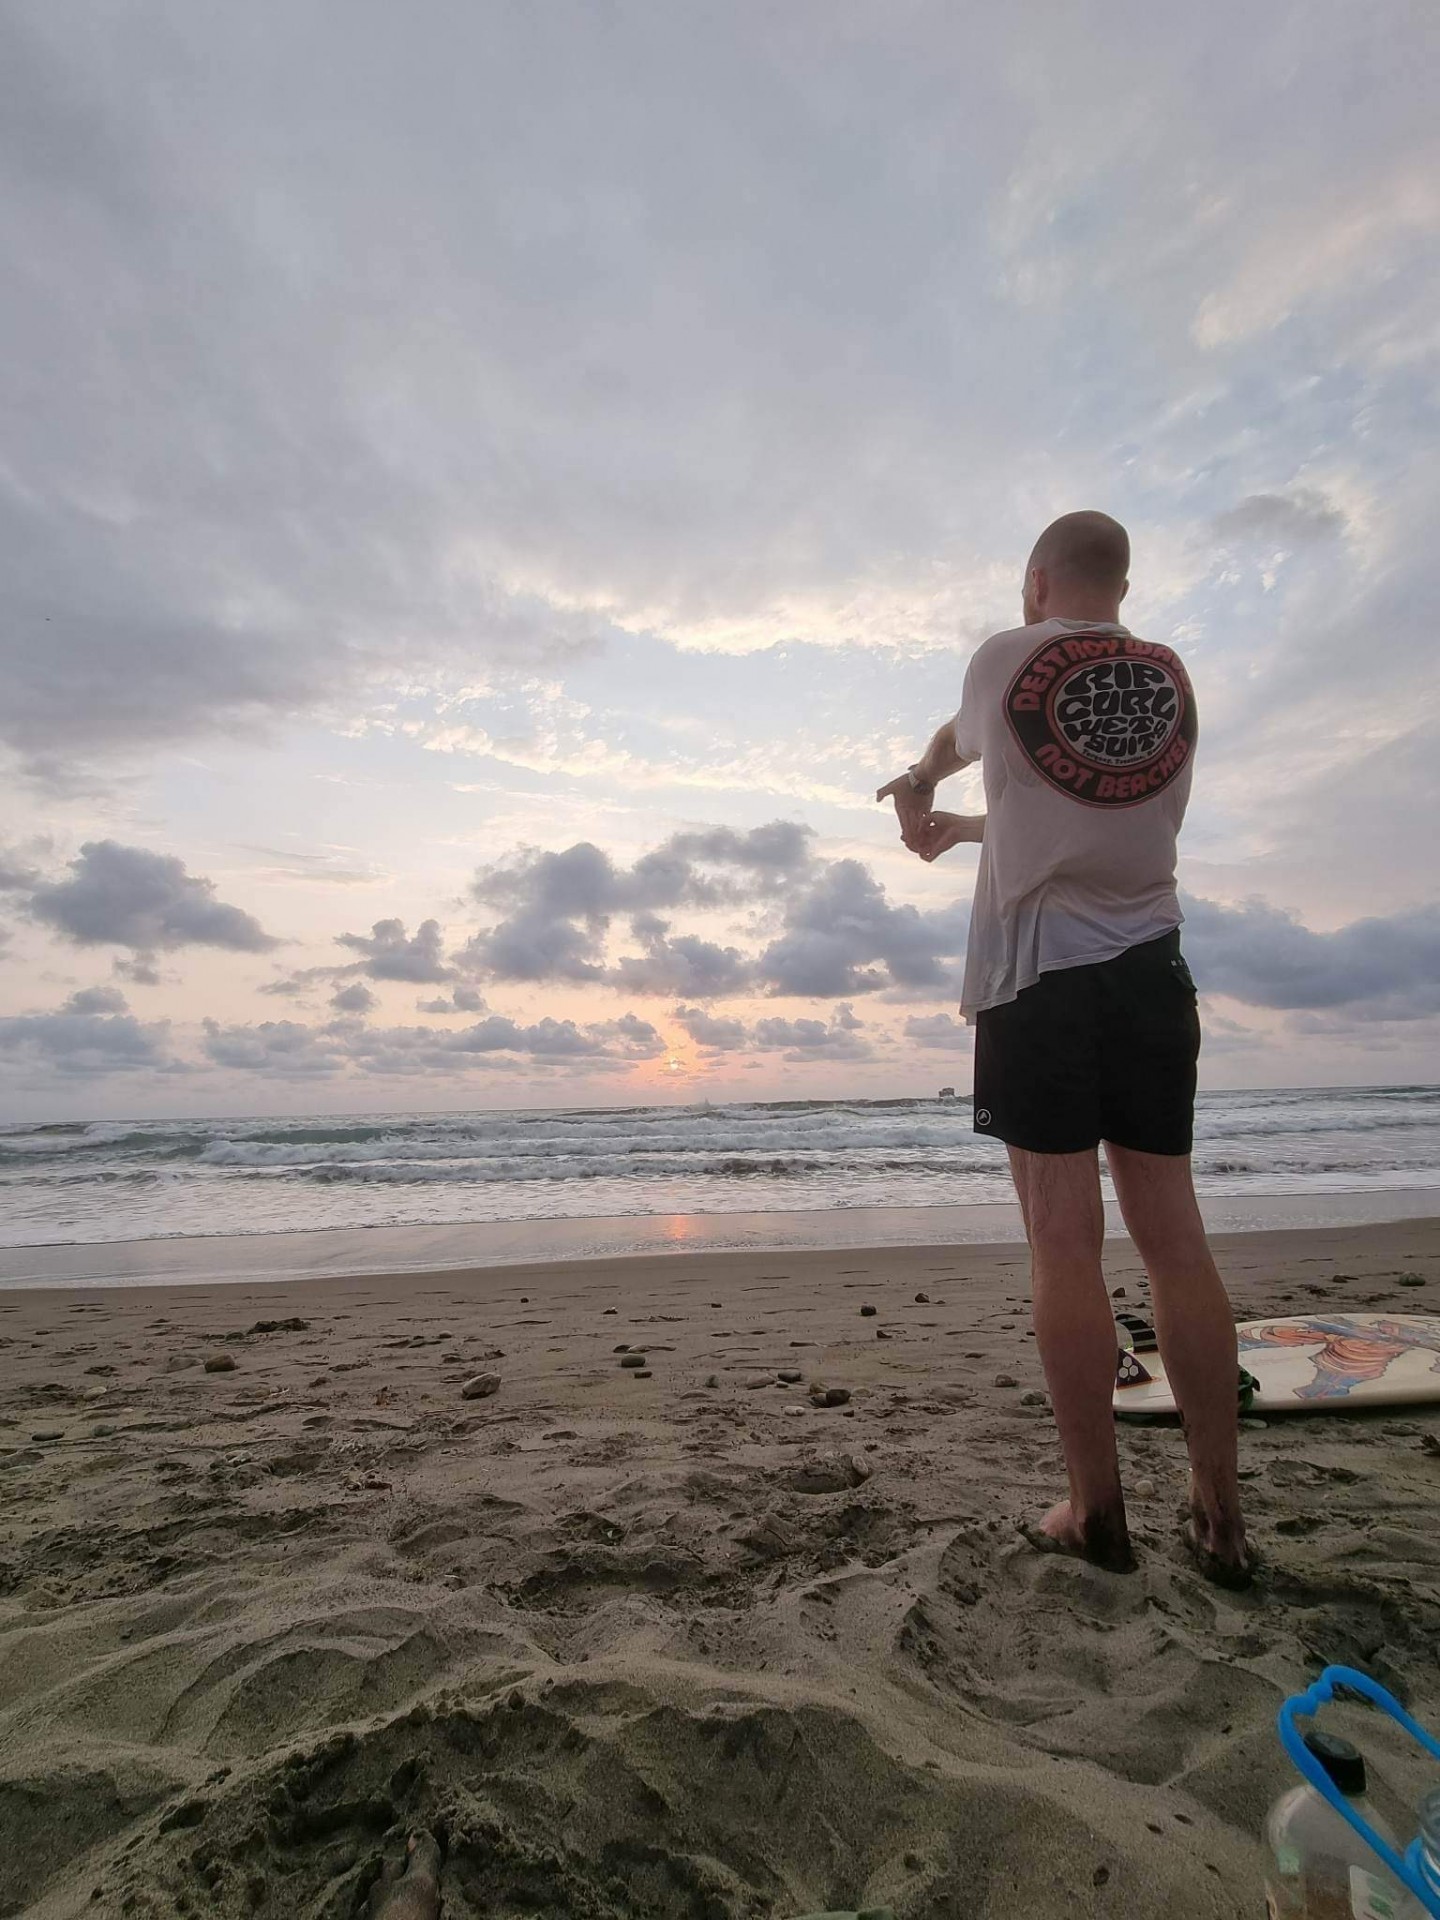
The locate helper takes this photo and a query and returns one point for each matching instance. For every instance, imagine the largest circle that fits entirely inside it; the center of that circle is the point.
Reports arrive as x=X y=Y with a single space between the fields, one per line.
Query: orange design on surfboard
x=1350 y=1355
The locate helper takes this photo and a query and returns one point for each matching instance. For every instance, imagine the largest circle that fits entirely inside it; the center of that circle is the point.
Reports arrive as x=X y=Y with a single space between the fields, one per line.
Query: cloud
x=561 y=906
x=844 y=936
x=290 y=1049
x=461 y=999
x=940 y=1030
x=840 y=933
x=16 y=875
x=718 y=1033
x=97 y=1000
x=140 y=970
x=1290 y=520
x=1379 y=969
x=286 y=1048
x=683 y=965
x=356 y=998
x=129 y=897
x=801 y=1040
x=388 y=954
x=91 y=1036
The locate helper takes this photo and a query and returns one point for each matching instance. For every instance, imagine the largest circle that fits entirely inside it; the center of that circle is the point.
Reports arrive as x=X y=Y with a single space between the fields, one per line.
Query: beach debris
x=1034 y=1399
x=922 y=1299
x=795 y=1412
x=821 y=1396
x=881 y=1334
x=868 y=1313
x=1411 y=1280
x=293 y=1325
x=643 y=1373
x=790 y=1375
x=480 y=1386
x=712 y=1379
x=612 y=1309
x=833 y=1474
x=1006 y=1380
x=717 y=1303
x=220 y=1363
x=628 y=1359
x=524 y=1299
x=769 y=1538
x=862 y=1913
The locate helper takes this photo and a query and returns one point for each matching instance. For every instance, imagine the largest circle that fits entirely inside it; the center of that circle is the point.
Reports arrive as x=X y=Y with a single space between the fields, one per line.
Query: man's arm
x=914 y=791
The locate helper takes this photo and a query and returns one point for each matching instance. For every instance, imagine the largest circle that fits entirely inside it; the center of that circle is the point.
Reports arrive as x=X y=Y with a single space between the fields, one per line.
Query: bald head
x=1078 y=569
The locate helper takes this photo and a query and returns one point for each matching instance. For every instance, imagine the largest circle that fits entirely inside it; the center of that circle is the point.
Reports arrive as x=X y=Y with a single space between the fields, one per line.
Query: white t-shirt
x=1086 y=735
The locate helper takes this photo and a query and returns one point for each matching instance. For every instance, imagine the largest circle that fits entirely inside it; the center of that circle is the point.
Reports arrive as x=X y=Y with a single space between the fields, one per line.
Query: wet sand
x=663 y=1639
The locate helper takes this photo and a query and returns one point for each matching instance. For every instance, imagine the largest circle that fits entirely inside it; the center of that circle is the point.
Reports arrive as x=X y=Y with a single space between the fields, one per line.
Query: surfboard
x=1309 y=1363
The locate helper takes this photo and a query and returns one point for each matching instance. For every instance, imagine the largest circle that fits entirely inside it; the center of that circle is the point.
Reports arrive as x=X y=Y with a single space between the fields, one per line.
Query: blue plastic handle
x=1406 y=1869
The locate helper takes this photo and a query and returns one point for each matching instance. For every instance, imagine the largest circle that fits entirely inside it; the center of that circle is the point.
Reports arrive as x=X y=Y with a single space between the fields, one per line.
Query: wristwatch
x=918 y=783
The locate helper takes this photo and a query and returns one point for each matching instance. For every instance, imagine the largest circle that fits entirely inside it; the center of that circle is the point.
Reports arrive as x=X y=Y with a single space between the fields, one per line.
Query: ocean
x=85 y=1184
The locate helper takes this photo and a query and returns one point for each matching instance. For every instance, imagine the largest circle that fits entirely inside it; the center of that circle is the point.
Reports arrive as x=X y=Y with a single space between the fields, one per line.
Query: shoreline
x=272 y=1258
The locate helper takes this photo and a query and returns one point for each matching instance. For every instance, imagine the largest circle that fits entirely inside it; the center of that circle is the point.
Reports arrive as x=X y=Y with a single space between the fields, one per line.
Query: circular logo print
x=982 y=1116
x=1105 y=718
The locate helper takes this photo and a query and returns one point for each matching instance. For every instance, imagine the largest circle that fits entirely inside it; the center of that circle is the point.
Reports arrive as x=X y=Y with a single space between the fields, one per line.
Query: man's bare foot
x=1103 y=1539
x=1218 y=1552
x=411 y=1892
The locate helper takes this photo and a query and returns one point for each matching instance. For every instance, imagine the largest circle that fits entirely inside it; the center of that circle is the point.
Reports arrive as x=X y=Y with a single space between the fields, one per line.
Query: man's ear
x=1124 y=589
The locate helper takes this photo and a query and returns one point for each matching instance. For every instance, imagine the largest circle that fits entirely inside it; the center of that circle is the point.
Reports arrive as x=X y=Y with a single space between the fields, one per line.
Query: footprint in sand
x=411 y=1892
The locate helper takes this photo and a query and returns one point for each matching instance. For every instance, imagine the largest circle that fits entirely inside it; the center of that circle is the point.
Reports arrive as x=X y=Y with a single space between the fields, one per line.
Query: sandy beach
x=662 y=1638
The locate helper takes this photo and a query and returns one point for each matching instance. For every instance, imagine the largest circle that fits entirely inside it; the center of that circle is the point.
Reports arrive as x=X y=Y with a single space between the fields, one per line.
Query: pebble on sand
x=829 y=1396
x=632 y=1360
x=1034 y=1400
x=220 y=1363
x=790 y=1375
x=1006 y=1380
x=868 y=1313
x=922 y=1299
x=1145 y=1488
x=480 y=1386
x=712 y=1379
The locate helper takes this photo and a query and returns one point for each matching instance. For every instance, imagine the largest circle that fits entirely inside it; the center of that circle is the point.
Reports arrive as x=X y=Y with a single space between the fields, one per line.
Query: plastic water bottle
x=1318 y=1867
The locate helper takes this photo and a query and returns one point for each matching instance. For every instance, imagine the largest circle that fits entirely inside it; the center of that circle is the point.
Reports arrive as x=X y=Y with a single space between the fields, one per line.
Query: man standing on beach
x=1086 y=1029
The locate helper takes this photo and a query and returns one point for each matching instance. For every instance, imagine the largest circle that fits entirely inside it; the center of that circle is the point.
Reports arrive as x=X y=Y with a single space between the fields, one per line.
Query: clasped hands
x=924 y=830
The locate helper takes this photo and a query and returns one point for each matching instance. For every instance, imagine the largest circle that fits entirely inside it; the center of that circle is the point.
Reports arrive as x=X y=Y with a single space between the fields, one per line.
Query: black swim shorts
x=1101 y=1052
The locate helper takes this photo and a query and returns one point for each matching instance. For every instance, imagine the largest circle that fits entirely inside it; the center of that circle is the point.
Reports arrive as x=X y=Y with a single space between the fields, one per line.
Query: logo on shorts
x=1104 y=717
x=982 y=1116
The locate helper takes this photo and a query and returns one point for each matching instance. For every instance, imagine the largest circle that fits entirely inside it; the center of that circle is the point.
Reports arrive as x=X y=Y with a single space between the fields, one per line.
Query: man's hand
x=939 y=832
x=912 y=807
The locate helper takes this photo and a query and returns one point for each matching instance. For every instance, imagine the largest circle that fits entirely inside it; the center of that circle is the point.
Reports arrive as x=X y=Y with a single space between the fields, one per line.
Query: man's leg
x=1197 y=1342
x=1065 y=1224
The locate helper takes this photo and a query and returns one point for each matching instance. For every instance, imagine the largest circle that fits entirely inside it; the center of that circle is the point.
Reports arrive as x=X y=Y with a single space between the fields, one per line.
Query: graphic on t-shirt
x=1104 y=717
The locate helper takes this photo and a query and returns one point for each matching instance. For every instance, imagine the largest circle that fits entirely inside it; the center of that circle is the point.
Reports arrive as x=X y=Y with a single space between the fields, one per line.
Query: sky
x=488 y=491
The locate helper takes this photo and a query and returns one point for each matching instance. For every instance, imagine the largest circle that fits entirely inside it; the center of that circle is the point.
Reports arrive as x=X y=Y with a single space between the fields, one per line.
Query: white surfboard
x=1317 y=1363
